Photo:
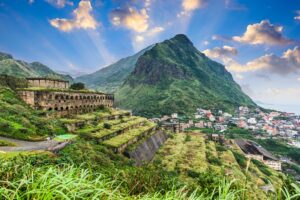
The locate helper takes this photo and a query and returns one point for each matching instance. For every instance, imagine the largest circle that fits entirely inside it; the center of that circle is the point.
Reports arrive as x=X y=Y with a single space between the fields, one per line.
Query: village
x=261 y=124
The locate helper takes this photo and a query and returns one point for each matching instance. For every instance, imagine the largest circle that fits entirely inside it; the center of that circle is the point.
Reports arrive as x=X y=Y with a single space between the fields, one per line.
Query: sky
x=258 y=41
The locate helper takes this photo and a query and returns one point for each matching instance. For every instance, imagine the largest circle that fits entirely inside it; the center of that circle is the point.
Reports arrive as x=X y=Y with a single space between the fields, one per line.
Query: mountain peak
x=4 y=56
x=174 y=76
x=181 y=38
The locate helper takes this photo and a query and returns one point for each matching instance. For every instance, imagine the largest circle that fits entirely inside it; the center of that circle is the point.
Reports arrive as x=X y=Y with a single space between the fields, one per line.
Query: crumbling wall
x=145 y=151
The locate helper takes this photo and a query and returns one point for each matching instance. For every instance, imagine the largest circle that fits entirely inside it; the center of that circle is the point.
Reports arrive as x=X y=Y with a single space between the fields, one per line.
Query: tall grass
x=69 y=182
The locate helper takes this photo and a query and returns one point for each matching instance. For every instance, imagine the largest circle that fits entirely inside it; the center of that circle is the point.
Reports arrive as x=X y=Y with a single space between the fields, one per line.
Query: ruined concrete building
x=48 y=83
x=53 y=95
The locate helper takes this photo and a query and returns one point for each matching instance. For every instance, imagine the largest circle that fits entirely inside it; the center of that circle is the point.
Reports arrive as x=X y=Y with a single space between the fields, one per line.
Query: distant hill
x=110 y=78
x=173 y=76
x=22 y=69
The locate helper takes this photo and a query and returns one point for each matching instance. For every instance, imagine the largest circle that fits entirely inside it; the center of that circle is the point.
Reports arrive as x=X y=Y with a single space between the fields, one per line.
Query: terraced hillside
x=193 y=156
x=116 y=129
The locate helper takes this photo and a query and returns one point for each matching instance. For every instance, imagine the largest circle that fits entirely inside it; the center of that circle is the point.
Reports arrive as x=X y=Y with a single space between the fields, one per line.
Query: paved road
x=27 y=146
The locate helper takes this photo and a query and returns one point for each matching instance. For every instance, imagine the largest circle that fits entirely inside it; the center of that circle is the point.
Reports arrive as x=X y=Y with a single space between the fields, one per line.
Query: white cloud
x=288 y=63
x=142 y=37
x=190 y=5
x=298 y=79
x=60 y=3
x=83 y=19
x=205 y=42
x=221 y=53
x=30 y=1
x=263 y=33
x=130 y=18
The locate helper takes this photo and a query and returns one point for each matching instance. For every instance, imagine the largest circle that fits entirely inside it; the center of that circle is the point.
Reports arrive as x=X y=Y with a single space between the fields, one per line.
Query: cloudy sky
x=257 y=40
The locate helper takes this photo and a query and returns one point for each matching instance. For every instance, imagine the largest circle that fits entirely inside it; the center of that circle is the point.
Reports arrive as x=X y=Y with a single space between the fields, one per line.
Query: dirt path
x=27 y=146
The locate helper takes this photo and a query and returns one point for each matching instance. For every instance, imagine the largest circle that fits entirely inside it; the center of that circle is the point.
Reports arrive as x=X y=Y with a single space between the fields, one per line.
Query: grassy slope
x=194 y=156
x=18 y=120
x=111 y=77
x=22 y=69
x=175 y=77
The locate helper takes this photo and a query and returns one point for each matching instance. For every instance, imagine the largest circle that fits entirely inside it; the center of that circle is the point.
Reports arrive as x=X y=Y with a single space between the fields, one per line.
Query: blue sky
x=257 y=40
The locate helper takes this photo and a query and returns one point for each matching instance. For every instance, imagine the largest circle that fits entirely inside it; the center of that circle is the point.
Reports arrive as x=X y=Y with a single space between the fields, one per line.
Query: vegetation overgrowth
x=18 y=120
x=87 y=170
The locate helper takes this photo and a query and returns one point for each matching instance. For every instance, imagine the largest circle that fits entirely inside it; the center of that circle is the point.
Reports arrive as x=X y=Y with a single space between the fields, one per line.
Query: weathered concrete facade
x=48 y=83
x=66 y=102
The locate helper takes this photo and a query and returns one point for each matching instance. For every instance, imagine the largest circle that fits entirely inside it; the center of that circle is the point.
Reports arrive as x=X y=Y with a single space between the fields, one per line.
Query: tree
x=77 y=86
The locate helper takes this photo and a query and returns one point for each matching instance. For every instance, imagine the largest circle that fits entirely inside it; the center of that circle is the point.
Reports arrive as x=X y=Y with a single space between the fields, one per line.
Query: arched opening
x=49 y=109
x=56 y=108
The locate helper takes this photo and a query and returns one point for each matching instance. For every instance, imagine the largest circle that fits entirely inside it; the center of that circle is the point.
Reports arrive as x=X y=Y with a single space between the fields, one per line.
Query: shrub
x=187 y=138
x=241 y=160
x=107 y=125
x=77 y=86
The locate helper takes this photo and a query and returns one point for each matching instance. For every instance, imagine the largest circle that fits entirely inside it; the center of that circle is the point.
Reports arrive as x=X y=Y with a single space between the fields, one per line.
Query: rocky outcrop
x=145 y=151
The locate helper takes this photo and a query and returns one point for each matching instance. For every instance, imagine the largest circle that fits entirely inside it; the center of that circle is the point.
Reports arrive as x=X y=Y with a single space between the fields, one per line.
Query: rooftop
x=45 y=78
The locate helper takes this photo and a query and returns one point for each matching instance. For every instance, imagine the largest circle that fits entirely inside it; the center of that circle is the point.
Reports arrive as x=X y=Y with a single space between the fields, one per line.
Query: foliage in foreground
x=86 y=170
x=70 y=182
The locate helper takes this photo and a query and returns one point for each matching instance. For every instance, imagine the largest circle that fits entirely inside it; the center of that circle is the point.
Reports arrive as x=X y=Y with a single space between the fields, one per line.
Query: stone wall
x=48 y=83
x=146 y=150
x=65 y=103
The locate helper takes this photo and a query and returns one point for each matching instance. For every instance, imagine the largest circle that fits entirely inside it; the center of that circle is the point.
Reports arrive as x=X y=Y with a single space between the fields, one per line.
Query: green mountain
x=22 y=69
x=110 y=78
x=174 y=76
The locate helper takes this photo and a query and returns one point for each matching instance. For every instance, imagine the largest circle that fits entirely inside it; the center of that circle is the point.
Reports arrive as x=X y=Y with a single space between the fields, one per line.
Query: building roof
x=45 y=78
x=250 y=147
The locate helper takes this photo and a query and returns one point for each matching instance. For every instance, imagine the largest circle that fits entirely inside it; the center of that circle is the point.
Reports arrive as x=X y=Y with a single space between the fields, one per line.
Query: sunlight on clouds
x=263 y=33
x=82 y=19
x=150 y=33
x=288 y=63
x=219 y=52
x=130 y=18
x=190 y=5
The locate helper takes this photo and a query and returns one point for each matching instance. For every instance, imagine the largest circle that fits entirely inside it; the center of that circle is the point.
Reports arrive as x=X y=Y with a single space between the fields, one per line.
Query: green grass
x=87 y=170
x=5 y=143
x=100 y=126
x=18 y=120
x=65 y=137
x=129 y=135
x=116 y=128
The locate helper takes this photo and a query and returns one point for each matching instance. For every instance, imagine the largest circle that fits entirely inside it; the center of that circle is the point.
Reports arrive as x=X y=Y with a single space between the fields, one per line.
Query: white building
x=252 y=121
x=174 y=116
x=273 y=164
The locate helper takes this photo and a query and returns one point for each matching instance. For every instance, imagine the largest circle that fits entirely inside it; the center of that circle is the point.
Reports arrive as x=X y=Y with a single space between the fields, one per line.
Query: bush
x=220 y=148
x=77 y=86
x=107 y=125
x=263 y=168
x=241 y=159
x=187 y=138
